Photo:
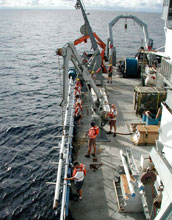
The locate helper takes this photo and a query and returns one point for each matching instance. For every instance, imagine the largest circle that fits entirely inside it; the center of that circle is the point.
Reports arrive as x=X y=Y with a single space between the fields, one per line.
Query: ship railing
x=65 y=191
x=65 y=154
x=166 y=71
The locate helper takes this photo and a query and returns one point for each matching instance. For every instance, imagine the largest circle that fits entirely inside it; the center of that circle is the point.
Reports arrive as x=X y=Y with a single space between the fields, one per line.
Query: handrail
x=69 y=146
x=61 y=154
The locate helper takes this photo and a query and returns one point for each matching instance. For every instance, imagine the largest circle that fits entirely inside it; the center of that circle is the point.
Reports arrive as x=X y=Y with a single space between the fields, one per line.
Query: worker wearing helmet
x=78 y=83
x=112 y=119
x=93 y=75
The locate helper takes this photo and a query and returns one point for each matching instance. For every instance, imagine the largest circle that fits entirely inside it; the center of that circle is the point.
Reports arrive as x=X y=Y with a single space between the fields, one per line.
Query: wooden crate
x=146 y=134
x=148 y=98
x=133 y=126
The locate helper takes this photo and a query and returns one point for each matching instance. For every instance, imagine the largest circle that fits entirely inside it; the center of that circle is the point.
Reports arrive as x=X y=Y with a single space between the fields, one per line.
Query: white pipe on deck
x=131 y=187
x=59 y=171
x=105 y=104
x=133 y=168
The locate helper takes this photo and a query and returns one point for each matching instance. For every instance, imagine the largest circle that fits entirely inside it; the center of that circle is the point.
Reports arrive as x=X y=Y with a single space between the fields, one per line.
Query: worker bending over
x=78 y=175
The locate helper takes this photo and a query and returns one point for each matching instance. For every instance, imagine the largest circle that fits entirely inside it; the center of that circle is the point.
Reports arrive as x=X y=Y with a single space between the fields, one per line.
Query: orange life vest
x=78 y=83
x=112 y=114
x=81 y=167
x=79 y=101
x=77 y=91
x=93 y=132
x=78 y=111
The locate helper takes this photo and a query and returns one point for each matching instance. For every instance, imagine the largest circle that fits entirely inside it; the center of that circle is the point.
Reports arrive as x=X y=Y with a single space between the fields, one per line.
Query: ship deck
x=99 y=198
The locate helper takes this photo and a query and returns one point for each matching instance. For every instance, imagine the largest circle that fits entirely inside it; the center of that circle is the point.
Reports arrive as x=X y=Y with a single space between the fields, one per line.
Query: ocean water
x=30 y=93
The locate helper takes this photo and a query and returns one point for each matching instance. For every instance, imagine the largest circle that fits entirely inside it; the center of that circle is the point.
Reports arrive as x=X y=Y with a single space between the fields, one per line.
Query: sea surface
x=30 y=93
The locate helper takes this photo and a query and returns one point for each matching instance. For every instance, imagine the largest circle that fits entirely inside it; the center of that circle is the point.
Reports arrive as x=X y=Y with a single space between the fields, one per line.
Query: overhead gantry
x=111 y=49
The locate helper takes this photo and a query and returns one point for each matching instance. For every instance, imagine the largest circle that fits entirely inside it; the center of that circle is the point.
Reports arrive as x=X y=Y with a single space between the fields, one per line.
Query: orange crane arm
x=81 y=39
x=99 y=42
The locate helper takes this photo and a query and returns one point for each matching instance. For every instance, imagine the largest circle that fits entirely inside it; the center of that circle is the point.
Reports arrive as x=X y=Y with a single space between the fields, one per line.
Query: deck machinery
x=111 y=49
x=157 y=166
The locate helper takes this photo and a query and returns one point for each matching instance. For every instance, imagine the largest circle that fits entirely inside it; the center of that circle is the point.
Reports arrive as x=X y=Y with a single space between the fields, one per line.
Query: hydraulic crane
x=69 y=53
x=99 y=42
x=87 y=30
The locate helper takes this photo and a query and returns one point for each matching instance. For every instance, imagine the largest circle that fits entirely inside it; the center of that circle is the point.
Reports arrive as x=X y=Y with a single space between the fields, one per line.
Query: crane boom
x=96 y=63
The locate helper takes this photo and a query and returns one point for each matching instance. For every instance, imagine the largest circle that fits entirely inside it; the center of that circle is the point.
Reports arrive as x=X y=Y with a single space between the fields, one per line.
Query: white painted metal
x=70 y=54
x=137 y=20
x=61 y=153
x=64 y=194
x=164 y=170
x=106 y=107
x=168 y=26
x=168 y=43
x=165 y=133
x=105 y=102
x=130 y=186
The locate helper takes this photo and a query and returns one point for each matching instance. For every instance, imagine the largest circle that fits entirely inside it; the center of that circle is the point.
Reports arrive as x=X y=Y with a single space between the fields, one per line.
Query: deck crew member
x=78 y=175
x=78 y=83
x=110 y=73
x=112 y=116
x=78 y=100
x=77 y=90
x=78 y=113
x=92 y=134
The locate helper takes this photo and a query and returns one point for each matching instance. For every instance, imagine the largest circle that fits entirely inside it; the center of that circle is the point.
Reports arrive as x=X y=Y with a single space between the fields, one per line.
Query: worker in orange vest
x=78 y=83
x=78 y=100
x=92 y=134
x=78 y=113
x=112 y=119
x=78 y=175
x=77 y=91
x=110 y=73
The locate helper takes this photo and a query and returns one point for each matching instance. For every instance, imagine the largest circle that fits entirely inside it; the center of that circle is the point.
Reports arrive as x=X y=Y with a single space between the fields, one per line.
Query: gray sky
x=136 y=5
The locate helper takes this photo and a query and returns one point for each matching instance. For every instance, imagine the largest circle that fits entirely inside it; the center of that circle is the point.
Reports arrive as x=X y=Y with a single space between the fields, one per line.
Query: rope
x=124 y=133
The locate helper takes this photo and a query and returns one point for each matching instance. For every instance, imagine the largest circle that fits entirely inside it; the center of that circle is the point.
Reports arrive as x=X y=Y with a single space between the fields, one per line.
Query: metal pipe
x=63 y=203
x=106 y=106
x=58 y=179
x=133 y=168
x=131 y=188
